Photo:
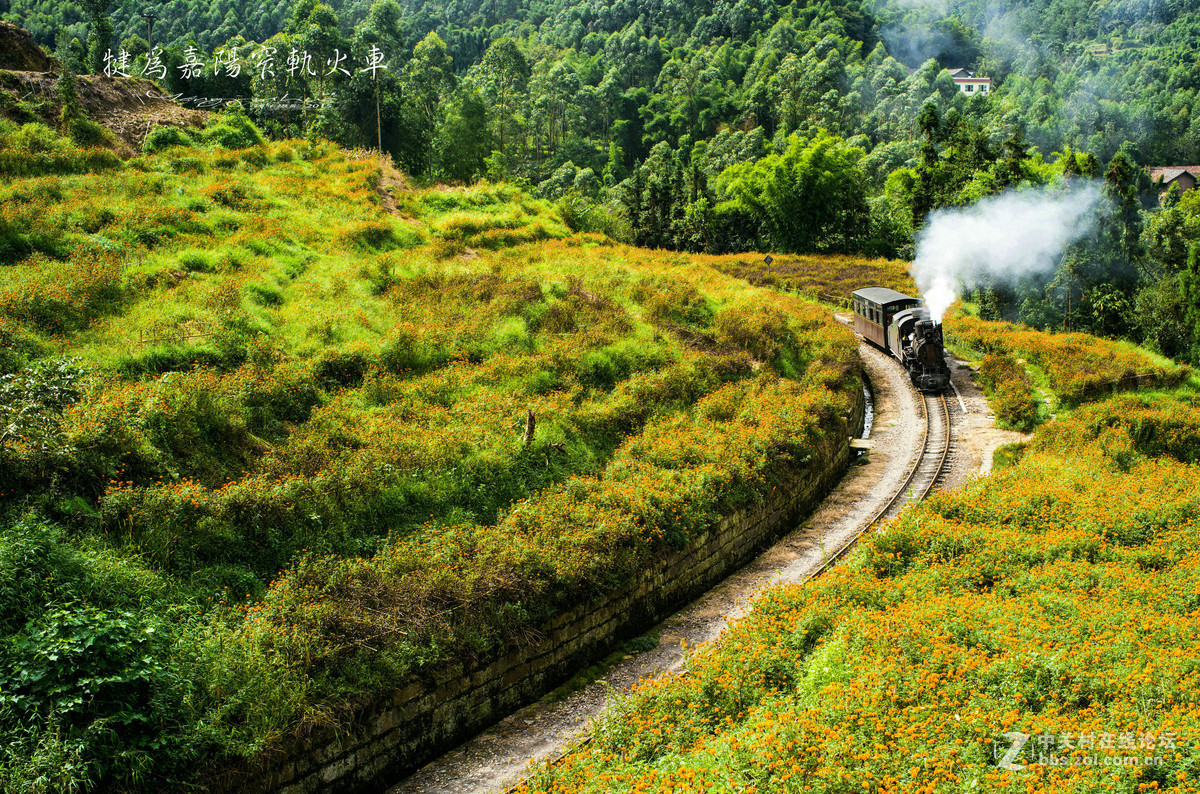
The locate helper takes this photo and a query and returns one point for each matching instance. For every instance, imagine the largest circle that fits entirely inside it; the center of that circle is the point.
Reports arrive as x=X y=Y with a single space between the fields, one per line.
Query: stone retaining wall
x=416 y=723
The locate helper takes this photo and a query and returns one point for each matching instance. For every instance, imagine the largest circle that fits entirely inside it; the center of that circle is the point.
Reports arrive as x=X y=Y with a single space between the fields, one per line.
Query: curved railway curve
x=926 y=472
x=912 y=444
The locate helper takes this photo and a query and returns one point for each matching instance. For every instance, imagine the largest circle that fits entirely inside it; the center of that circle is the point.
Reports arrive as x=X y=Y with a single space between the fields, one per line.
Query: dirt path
x=976 y=434
x=499 y=757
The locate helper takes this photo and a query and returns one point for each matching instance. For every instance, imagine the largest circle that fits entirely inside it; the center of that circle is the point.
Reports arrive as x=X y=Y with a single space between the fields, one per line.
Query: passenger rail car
x=900 y=325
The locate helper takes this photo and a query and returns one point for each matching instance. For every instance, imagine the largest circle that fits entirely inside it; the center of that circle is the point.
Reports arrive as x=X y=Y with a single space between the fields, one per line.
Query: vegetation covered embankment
x=271 y=449
x=1077 y=367
x=1010 y=391
x=823 y=278
x=1055 y=599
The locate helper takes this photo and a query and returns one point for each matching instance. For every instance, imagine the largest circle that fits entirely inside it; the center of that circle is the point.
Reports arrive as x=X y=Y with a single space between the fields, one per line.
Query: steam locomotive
x=899 y=325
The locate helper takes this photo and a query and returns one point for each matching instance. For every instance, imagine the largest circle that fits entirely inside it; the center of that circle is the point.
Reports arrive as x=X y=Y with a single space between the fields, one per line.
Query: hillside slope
x=127 y=108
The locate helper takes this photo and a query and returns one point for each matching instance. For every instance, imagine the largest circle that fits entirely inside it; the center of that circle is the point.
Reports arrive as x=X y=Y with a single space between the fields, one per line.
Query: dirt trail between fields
x=500 y=757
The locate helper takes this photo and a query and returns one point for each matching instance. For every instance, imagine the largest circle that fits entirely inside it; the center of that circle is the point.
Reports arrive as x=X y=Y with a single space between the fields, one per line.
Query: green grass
x=1007 y=456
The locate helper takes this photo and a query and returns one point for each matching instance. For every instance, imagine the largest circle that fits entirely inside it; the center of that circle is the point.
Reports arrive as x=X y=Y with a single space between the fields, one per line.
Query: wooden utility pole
x=149 y=16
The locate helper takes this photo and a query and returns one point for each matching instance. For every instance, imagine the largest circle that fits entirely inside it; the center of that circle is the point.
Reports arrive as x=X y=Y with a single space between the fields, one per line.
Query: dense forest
x=807 y=126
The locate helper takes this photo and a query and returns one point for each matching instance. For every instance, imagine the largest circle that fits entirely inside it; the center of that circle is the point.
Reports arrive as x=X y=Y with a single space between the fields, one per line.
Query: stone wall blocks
x=420 y=717
x=337 y=769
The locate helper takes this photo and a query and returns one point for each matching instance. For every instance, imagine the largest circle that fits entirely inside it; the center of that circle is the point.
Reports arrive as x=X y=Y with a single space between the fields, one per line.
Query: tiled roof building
x=1163 y=176
x=968 y=83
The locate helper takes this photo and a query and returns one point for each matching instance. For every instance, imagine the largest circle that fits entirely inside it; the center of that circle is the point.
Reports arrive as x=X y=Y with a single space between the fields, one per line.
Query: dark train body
x=898 y=324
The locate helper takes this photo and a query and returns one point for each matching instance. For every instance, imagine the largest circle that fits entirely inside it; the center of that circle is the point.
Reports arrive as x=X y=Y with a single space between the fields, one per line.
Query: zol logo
x=1018 y=740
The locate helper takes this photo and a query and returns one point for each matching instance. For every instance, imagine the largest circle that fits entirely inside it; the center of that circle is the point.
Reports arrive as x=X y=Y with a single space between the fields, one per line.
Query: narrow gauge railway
x=902 y=327
x=923 y=475
x=926 y=469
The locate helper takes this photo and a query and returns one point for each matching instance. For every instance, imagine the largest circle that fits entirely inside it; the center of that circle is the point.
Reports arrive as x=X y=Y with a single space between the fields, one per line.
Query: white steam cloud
x=1007 y=236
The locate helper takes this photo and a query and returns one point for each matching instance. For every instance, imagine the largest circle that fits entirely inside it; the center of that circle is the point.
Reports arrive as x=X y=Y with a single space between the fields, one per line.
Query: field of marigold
x=270 y=447
x=1057 y=600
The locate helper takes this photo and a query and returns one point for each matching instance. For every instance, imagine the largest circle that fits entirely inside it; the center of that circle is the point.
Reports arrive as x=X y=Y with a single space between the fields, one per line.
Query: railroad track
x=925 y=472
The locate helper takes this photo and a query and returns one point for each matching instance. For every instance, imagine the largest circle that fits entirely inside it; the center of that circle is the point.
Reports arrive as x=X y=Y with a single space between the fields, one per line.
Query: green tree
x=465 y=139
x=100 y=33
x=1123 y=186
x=505 y=77
x=429 y=78
x=1189 y=290
x=319 y=34
x=925 y=187
x=810 y=198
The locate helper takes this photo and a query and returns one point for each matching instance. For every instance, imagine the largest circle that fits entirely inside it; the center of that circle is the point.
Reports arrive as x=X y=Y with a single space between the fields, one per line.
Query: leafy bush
x=377 y=236
x=86 y=132
x=231 y=130
x=33 y=138
x=765 y=333
x=87 y=693
x=35 y=149
x=1154 y=425
x=16 y=162
x=670 y=300
x=1010 y=390
x=32 y=443
x=162 y=138
x=14 y=244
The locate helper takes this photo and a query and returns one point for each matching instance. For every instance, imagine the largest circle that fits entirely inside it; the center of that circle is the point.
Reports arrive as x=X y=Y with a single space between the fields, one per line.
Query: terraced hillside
x=280 y=432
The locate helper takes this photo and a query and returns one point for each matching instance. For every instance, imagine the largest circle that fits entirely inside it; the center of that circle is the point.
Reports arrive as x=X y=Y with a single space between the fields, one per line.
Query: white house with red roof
x=968 y=83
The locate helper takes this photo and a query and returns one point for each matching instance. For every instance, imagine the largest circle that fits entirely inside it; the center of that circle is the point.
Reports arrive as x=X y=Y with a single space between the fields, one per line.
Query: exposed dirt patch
x=391 y=181
x=127 y=107
x=18 y=50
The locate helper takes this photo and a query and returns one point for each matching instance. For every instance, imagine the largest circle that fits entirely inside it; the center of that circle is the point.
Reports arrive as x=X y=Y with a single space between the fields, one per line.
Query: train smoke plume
x=1007 y=236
